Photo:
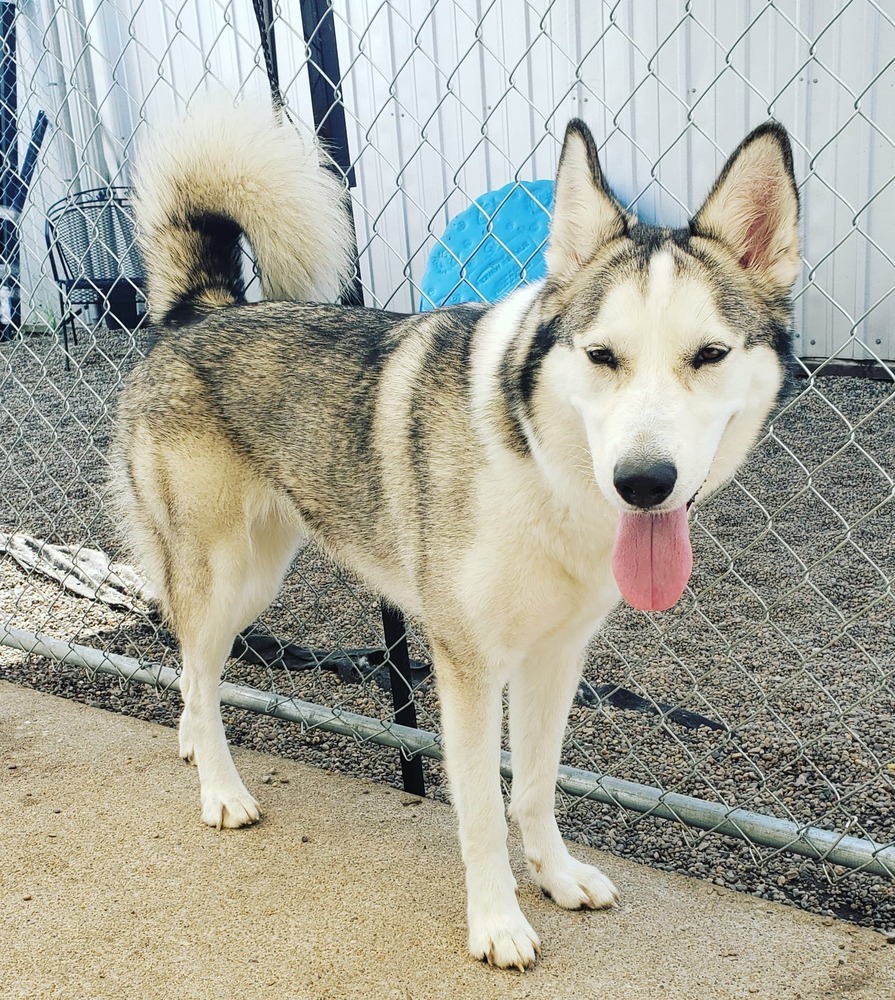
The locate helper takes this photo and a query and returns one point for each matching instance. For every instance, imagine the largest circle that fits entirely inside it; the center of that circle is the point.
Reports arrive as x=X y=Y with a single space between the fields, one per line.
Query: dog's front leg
x=541 y=692
x=471 y=710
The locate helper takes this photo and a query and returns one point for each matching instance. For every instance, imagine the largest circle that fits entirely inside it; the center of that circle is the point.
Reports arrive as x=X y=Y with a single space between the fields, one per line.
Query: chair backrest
x=93 y=238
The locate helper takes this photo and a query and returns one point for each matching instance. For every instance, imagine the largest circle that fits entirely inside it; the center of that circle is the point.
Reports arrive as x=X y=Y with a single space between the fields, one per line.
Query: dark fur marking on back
x=297 y=354
x=453 y=335
x=447 y=354
x=188 y=309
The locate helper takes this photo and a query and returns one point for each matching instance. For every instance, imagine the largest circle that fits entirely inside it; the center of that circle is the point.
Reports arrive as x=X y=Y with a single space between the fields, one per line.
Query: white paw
x=575 y=885
x=228 y=808
x=505 y=940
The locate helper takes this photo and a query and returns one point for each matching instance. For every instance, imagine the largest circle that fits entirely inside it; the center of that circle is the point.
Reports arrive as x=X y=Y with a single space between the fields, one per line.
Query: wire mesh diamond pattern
x=770 y=686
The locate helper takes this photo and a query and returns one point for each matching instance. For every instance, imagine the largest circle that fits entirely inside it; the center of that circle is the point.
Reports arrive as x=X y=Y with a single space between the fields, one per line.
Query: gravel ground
x=789 y=646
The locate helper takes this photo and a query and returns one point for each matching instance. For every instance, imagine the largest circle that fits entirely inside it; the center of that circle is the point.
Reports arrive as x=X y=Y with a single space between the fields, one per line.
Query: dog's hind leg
x=541 y=693
x=469 y=692
x=217 y=542
x=240 y=574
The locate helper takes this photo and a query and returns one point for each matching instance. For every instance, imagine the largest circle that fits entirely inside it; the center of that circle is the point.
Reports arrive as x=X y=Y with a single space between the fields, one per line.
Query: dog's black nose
x=644 y=485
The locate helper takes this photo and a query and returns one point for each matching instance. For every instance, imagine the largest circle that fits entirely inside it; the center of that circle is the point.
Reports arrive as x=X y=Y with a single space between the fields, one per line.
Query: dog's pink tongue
x=652 y=559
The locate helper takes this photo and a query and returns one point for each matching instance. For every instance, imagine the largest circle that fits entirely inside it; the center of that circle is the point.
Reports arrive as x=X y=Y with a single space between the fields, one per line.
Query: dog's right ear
x=585 y=214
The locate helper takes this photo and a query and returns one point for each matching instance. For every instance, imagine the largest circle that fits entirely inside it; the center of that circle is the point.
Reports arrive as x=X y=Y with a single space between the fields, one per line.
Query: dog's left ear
x=585 y=214
x=754 y=208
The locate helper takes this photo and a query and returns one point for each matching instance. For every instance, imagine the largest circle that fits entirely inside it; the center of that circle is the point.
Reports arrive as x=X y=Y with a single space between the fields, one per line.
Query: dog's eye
x=603 y=356
x=709 y=355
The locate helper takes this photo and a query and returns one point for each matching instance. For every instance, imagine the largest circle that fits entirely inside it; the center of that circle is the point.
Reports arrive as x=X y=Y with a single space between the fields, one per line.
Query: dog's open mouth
x=652 y=558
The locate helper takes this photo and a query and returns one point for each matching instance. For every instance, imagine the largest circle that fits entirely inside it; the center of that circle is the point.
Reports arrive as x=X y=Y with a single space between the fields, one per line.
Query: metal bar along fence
x=810 y=842
x=762 y=708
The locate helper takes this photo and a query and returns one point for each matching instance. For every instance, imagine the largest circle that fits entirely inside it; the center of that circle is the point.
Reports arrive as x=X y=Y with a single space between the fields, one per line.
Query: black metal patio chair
x=95 y=261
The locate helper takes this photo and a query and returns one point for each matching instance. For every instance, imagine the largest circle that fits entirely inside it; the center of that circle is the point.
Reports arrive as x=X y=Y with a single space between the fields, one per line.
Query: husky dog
x=499 y=472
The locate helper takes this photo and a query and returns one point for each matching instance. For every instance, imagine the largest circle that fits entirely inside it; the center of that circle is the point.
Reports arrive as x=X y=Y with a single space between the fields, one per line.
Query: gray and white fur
x=492 y=470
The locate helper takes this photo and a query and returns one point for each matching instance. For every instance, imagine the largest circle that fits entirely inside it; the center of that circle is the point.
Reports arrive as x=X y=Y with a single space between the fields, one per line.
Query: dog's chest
x=539 y=564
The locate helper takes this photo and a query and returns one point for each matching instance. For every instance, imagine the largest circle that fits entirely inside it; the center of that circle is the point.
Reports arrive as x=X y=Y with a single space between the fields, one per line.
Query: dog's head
x=671 y=343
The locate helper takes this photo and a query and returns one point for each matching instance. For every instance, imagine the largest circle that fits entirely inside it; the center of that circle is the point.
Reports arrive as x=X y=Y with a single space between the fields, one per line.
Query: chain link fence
x=759 y=714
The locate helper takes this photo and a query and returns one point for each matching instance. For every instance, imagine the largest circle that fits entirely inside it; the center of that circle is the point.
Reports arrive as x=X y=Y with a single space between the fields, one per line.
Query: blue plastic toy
x=491 y=247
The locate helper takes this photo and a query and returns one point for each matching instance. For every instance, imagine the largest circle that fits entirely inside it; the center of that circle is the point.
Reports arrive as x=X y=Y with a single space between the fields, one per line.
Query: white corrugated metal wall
x=451 y=98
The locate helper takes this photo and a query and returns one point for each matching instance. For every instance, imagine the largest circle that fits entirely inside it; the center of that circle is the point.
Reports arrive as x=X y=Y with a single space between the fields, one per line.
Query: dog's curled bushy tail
x=227 y=171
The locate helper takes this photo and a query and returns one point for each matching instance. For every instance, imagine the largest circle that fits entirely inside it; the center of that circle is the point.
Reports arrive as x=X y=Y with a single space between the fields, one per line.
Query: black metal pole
x=395 y=630
x=264 y=16
x=10 y=292
x=29 y=163
x=324 y=74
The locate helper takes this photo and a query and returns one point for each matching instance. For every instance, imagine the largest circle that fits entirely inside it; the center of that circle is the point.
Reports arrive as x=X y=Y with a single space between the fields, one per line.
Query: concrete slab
x=110 y=887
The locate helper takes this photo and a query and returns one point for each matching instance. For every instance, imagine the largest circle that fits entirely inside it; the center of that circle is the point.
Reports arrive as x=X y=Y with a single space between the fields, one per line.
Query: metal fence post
x=10 y=298
x=395 y=631
x=329 y=120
